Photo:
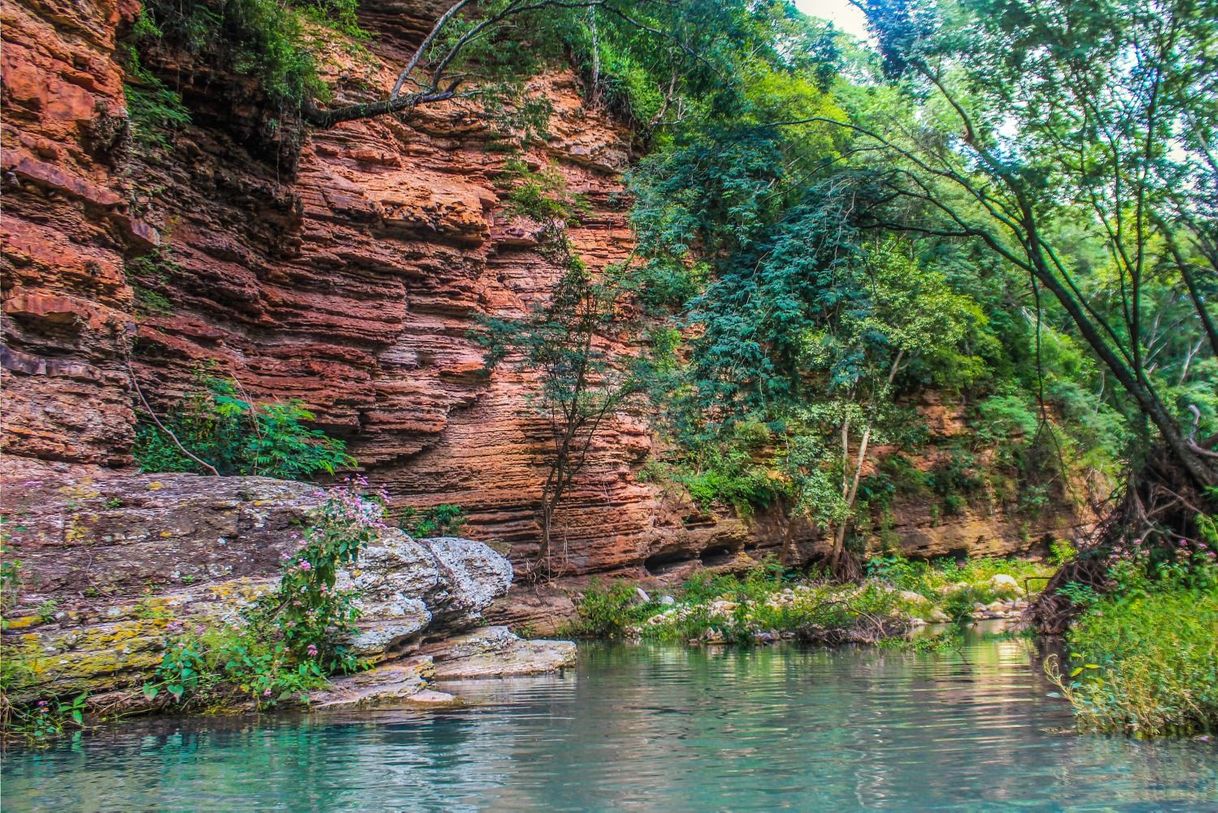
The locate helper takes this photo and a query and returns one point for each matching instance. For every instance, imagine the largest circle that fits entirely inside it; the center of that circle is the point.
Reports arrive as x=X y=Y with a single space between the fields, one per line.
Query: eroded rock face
x=350 y=278
x=110 y=566
x=408 y=587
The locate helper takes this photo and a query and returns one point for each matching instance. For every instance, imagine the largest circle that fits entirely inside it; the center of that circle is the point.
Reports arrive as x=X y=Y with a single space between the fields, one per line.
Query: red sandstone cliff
x=347 y=274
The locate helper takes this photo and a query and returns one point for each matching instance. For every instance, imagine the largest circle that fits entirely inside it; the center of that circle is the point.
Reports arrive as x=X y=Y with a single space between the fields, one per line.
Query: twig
x=162 y=427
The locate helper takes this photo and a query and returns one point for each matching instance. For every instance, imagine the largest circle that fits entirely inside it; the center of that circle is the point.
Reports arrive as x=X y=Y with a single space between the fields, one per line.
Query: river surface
x=651 y=728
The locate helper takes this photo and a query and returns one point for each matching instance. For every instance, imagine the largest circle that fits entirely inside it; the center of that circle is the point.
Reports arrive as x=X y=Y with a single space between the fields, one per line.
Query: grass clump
x=1143 y=659
x=608 y=611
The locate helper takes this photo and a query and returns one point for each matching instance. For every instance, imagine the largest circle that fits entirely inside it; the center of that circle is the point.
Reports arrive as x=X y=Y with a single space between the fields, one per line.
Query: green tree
x=563 y=342
x=901 y=312
x=1066 y=136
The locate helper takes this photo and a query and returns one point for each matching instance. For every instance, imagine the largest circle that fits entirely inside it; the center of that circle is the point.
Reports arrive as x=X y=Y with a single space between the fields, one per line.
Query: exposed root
x=1157 y=509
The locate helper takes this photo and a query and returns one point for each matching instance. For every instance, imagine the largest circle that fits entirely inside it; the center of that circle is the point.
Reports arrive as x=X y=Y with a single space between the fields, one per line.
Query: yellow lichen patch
x=166 y=534
x=74 y=532
x=126 y=634
x=155 y=485
x=22 y=622
x=239 y=591
x=80 y=491
x=153 y=608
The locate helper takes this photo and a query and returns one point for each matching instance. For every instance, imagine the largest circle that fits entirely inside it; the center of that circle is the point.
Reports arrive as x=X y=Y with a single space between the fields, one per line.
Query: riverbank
x=1142 y=659
x=768 y=604
x=649 y=726
x=175 y=593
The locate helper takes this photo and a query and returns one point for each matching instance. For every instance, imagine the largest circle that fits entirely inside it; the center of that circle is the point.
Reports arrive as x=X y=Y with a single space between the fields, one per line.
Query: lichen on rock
x=124 y=559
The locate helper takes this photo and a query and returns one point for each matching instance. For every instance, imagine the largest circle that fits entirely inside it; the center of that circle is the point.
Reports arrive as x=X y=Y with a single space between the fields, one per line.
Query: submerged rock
x=496 y=652
x=392 y=681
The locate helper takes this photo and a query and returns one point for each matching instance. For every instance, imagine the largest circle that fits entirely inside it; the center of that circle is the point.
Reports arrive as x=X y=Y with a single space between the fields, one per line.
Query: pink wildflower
x=312 y=650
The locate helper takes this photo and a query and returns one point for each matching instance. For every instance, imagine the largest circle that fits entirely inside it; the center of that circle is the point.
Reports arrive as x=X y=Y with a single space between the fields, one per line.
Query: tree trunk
x=850 y=482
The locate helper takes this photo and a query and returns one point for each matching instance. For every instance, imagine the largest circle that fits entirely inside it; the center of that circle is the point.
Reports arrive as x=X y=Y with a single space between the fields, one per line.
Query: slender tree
x=580 y=385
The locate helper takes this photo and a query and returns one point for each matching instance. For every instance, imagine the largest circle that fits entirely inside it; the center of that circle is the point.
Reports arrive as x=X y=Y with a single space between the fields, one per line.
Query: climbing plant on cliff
x=227 y=433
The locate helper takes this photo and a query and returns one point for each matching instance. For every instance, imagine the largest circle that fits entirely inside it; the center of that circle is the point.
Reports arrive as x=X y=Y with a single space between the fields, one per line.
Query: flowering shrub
x=308 y=610
x=293 y=637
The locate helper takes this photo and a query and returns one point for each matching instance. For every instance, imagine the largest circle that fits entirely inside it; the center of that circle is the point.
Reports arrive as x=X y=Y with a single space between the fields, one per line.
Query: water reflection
x=653 y=728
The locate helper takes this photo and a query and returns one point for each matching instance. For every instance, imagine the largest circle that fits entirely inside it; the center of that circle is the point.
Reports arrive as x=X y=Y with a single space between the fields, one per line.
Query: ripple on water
x=655 y=728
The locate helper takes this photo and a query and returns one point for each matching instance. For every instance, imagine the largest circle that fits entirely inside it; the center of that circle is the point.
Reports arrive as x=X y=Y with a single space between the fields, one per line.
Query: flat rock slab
x=400 y=680
x=435 y=699
x=495 y=652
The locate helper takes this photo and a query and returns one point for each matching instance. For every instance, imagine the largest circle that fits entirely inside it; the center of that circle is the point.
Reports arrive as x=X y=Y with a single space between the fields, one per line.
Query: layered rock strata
x=348 y=271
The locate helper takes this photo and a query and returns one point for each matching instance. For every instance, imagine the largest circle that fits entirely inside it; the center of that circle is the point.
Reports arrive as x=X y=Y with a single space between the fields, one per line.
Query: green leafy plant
x=607 y=611
x=445 y=519
x=238 y=436
x=1143 y=664
x=45 y=719
x=46 y=611
x=1080 y=595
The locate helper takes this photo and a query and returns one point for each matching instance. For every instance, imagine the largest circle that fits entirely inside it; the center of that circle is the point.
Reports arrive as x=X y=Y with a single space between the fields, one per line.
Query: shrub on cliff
x=268 y=40
x=238 y=437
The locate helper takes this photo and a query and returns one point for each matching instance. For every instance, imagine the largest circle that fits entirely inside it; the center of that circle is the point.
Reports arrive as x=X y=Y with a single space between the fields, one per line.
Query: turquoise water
x=651 y=728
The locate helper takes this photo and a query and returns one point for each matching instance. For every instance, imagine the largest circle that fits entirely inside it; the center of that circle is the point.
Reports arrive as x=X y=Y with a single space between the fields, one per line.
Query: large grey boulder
x=112 y=565
x=409 y=588
x=472 y=576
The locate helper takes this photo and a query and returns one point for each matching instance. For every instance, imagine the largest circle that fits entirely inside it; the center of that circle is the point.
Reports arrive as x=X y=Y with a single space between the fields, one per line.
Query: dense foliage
x=272 y=42
x=768 y=603
x=235 y=435
x=835 y=237
x=1143 y=659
